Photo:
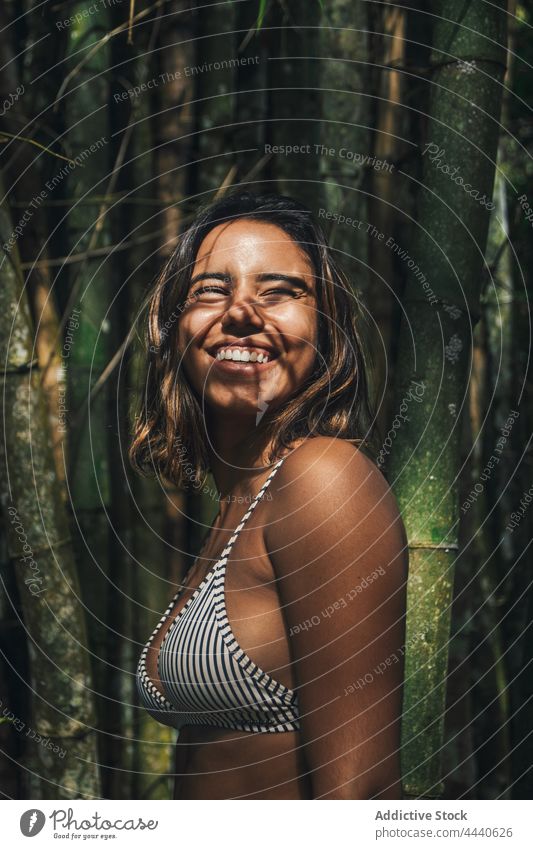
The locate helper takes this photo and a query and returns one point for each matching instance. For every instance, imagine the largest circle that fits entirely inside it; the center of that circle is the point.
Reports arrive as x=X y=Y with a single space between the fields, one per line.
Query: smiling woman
x=262 y=378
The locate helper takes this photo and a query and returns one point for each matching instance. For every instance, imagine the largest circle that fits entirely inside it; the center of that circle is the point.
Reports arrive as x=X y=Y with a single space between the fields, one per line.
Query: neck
x=238 y=454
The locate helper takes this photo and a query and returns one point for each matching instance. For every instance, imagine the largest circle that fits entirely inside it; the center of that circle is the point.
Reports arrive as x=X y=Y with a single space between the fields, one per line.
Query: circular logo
x=31 y=822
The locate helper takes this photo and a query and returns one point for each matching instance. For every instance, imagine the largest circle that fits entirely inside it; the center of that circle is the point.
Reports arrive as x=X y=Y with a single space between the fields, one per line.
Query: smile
x=243 y=360
x=243 y=355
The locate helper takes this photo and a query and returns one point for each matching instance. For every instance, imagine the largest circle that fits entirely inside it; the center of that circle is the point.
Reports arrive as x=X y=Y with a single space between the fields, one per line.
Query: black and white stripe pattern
x=208 y=676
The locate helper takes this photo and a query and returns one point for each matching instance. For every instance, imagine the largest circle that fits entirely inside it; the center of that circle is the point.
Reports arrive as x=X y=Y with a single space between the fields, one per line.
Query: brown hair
x=169 y=433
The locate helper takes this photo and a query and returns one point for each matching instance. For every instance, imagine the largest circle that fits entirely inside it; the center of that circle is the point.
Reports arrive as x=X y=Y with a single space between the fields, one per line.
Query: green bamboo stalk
x=24 y=172
x=390 y=190
x=173 y=116
x=153 y=753
x=85 y=108
x=251 y=100
x=295 y=99
x=496 y=341
x=434 y=350
x=215 y=95
x=344 y=133
x=61 y=763
x=515 y=566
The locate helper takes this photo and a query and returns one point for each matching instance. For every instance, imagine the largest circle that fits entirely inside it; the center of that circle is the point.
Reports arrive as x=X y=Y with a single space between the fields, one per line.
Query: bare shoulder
x=326 y=468
x=327 y=491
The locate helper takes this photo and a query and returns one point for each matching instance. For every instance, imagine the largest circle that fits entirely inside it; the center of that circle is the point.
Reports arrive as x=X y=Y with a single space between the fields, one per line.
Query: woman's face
x=252 y=293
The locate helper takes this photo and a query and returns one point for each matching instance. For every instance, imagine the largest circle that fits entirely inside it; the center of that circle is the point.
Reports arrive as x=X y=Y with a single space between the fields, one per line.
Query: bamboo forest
x=407 y=130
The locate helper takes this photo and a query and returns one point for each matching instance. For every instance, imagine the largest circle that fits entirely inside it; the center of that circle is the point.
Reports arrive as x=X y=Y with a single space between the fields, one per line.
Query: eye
x=206 y=290
x=281 y=290
x=214 y=292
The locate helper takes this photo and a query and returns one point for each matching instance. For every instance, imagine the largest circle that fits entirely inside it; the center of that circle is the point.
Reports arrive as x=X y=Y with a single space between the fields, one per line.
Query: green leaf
x=261 y=14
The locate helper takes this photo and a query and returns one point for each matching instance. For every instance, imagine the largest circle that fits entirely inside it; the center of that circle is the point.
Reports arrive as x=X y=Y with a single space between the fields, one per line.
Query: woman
x=280 y=658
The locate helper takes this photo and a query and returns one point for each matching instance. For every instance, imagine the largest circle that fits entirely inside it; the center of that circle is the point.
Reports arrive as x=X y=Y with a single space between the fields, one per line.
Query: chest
x=240 y=600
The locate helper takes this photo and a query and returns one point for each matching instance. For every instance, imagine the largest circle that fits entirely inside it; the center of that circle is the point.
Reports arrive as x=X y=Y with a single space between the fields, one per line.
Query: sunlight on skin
x=234 y=301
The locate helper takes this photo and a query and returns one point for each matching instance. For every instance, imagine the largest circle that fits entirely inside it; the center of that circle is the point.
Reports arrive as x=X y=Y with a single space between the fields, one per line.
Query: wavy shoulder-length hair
x=169 y=436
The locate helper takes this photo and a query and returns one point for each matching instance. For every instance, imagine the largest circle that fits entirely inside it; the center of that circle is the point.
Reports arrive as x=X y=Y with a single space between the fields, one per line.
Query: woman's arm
x=338 y=547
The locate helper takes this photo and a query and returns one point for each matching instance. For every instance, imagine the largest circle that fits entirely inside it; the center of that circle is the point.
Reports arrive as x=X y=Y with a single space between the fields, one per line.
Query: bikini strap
x=225 y=554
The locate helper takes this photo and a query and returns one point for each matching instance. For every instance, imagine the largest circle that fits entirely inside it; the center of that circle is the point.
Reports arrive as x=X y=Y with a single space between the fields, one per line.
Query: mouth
x=237 y=359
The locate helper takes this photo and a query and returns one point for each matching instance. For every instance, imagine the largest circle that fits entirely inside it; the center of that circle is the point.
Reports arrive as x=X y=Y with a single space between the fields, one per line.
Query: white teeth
x=242 y=355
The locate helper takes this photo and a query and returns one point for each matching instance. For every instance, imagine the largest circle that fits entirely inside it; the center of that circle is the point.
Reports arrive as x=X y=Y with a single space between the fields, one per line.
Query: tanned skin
x=307 y=554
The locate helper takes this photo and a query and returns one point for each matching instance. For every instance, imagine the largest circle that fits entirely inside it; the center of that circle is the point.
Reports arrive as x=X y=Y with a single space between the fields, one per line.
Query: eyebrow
x=264 y=277
x=209 y=275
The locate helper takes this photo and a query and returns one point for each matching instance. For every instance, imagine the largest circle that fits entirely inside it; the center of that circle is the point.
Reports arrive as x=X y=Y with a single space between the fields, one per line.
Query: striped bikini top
x=207 y=676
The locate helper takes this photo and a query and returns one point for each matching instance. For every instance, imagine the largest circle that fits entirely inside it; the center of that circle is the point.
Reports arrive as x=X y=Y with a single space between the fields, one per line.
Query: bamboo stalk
x=88 y=330
x=434 y=351
x=345 y=129
x=63 y=764
x=295 y=98
x=153 y=752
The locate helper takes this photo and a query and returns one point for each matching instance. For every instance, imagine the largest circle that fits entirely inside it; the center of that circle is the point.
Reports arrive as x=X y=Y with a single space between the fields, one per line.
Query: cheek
x=187 y=330
x=194 y=325
x=304 y=330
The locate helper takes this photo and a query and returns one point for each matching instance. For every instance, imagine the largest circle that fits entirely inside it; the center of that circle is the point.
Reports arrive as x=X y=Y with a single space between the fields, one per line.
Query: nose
x=242 y=310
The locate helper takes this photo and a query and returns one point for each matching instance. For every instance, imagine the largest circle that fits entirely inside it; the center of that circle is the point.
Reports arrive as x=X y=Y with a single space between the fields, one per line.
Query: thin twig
x=72 y=259
x=227 y=181
x=130 y=27
x=37 y=144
